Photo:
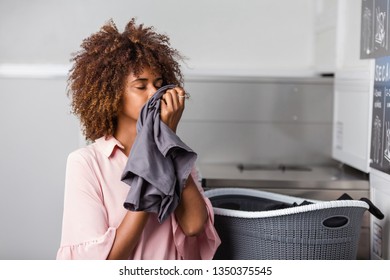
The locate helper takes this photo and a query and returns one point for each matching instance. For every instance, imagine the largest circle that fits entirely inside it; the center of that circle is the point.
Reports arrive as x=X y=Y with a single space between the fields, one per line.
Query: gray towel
x=158 y=165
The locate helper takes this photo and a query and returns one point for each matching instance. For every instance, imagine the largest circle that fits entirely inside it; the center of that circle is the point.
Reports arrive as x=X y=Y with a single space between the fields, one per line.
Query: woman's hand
x=172 y=107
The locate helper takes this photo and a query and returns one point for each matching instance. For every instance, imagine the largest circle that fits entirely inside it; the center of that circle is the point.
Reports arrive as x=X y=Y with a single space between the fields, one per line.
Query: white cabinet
x=353 y=91
x=352 y=118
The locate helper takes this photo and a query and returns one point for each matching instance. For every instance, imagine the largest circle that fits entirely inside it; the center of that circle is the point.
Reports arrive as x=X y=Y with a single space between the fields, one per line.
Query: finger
x=175 y=99
x=163 y=103
x=168 y=99
x=181 y=95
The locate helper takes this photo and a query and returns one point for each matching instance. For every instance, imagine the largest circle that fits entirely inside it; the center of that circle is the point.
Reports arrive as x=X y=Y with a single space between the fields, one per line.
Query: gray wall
x=37 y=133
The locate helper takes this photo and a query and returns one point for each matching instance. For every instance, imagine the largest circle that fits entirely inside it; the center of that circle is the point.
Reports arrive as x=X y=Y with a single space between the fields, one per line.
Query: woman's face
x=138 y=90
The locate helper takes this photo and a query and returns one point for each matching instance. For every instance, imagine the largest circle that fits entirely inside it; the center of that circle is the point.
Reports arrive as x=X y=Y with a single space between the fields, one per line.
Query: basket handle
x=335 y=221
x=371 y=207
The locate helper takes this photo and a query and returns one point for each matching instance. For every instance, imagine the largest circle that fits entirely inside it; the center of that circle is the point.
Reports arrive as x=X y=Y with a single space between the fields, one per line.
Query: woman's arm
x=86 y=232
x=191 y=212
x=127 y=235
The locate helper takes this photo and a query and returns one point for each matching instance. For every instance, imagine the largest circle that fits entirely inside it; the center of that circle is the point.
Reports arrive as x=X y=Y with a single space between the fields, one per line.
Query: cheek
x=132 y=106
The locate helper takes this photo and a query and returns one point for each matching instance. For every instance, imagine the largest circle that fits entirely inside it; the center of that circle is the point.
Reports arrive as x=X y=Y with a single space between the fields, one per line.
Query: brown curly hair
x=97 y=79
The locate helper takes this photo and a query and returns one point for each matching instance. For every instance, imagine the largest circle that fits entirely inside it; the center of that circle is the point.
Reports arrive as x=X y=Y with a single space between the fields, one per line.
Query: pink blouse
x=93 y=210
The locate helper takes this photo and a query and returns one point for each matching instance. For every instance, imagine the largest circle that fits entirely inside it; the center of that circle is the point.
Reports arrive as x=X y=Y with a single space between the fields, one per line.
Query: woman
x=113 y=76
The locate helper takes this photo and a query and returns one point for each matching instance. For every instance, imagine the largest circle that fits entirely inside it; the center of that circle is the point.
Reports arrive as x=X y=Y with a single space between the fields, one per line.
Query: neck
x=125 y=134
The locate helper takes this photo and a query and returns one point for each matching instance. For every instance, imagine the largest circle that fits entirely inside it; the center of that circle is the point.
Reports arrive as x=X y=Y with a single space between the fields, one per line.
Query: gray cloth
x=158 y=165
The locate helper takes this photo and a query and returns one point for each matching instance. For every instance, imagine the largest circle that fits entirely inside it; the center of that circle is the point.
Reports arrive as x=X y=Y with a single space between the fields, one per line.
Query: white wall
x=240 y=38
x=325 y=35
x=230 y=35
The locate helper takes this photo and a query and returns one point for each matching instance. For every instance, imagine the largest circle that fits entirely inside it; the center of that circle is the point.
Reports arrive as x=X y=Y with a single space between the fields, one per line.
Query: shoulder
x=86 y=156
x=81 y=170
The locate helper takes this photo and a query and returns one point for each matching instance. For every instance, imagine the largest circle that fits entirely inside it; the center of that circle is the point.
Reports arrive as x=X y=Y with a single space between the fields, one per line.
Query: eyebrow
x=145 y=79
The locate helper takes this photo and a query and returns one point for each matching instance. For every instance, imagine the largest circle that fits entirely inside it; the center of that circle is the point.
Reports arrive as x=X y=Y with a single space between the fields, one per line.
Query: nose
x=152 y=91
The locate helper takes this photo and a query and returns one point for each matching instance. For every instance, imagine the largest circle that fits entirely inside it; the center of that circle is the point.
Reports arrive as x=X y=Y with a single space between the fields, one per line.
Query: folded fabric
x=158 y=165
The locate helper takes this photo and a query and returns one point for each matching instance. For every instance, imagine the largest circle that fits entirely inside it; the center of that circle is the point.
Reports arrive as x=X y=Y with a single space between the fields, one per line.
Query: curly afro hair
x=97 y=79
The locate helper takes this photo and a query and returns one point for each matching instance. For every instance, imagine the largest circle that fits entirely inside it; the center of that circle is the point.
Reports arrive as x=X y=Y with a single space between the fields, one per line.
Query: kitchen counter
x=280 y=176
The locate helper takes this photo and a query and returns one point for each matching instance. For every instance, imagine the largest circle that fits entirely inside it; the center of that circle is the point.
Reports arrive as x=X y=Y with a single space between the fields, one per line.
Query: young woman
x=113 y=76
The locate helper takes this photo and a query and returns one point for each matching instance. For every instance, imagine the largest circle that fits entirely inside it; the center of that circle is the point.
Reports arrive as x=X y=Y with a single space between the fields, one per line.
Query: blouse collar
x=107 y=144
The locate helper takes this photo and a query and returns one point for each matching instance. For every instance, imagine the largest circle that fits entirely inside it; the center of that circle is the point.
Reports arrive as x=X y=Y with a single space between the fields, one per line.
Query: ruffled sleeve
x=96 y=249
x=85 y=230
x=203 y=246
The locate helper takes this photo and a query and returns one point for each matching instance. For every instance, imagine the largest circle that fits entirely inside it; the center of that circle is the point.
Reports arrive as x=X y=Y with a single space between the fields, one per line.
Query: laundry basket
x=311 y=229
